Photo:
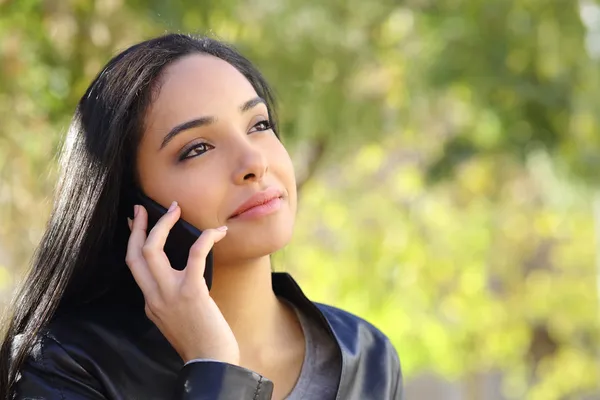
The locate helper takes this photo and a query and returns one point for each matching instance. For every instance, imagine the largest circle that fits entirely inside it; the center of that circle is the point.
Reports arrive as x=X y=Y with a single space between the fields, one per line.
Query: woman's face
x=222 y=154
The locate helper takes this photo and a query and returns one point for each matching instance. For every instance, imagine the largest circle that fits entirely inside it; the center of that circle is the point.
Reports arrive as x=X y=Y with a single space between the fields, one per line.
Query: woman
x=102 y=315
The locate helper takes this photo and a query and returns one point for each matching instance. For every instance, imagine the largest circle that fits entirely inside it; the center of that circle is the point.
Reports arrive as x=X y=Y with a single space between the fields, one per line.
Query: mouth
x=260 y=204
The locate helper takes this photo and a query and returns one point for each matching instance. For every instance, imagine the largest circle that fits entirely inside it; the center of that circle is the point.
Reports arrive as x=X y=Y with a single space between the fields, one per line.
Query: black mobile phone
x=181 y=237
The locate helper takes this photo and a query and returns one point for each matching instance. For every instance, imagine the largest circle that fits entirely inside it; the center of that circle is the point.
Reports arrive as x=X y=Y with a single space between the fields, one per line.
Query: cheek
x=200 y=196
x=285 y=170
x=281 y=162
x=199 y=191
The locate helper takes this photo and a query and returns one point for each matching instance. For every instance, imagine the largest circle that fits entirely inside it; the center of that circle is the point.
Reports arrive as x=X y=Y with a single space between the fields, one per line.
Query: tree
x=446 y=153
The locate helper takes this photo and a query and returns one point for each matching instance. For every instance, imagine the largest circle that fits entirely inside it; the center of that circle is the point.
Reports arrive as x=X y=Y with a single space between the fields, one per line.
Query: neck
x=244 y=294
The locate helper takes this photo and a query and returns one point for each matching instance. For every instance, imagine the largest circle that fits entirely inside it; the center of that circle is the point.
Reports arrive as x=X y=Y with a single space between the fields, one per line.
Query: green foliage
x=446 y=150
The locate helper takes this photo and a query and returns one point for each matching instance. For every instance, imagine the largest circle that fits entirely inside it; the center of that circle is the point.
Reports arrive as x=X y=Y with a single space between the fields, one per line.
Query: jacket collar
x=285 y=286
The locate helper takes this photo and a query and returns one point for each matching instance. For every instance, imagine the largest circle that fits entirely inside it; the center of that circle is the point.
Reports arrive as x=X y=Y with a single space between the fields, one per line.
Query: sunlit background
x=447 y=153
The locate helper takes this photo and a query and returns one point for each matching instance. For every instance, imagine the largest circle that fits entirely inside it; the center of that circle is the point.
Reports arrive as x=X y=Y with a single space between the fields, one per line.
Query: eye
x=194 y=150
x=263 y=125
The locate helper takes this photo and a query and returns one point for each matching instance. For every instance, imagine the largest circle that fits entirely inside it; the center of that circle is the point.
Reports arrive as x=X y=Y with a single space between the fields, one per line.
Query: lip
x=259 y=204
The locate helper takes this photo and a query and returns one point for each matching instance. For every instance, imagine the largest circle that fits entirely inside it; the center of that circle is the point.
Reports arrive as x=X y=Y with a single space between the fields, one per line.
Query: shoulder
x=90 y=341
x=67 y=343
x=43 y=347
x=50 y=368
x=98 y=353
x=52 y=343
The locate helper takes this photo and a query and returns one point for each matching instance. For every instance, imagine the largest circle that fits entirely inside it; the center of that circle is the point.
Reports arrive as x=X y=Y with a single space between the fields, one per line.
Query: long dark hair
x=81 y=254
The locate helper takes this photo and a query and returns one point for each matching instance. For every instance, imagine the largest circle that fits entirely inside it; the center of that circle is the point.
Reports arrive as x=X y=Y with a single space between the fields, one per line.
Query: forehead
x=197 y=85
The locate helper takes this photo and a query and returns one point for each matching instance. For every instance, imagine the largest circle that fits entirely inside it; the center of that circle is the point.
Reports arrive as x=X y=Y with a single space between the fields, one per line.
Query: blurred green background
x=447 y=154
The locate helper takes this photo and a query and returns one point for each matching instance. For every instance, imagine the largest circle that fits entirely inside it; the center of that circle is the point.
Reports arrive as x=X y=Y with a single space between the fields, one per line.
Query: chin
x=251 y=241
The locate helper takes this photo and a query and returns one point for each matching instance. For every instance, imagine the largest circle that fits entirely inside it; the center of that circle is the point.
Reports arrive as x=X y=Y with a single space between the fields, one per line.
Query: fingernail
x=136 y=208
x=222 y=228
x=173 y=206
x=129 y=222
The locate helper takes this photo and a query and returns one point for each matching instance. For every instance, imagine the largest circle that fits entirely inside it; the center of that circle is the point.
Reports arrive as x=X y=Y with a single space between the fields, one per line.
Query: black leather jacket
x=117 y=353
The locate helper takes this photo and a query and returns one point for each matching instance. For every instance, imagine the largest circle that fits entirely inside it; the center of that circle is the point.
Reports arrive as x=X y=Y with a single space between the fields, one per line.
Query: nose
x=252 y=165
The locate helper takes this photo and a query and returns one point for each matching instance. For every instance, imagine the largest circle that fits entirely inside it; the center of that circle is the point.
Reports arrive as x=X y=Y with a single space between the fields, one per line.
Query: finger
x=196 y=264
x=153 y=249
x=134 y=257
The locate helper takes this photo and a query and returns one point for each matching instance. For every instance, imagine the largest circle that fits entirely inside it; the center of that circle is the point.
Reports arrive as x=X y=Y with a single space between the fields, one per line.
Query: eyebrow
x=204 y=121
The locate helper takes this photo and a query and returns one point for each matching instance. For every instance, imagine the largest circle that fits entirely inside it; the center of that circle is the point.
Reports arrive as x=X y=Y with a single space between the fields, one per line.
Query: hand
x=178 y=302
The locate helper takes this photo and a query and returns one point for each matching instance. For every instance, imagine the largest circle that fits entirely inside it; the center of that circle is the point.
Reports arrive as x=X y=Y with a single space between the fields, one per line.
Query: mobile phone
x=181 y=237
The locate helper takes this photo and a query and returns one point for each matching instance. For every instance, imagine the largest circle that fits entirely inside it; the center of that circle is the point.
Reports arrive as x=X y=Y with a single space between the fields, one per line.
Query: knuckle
x=148 y=312
x=147 y=251
x=197 y=249
x=153 y=305
x=130 y=260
